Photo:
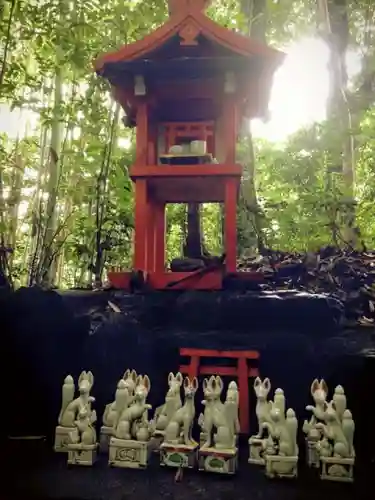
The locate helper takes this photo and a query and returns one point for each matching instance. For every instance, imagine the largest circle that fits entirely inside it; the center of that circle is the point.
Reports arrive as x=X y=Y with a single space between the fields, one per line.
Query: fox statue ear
x=315 y=386
x=82 y=377
x=126 y=374
x=267 y=384
x=179 y=378
x=257 y=382
x=219 y=383
x=147 y=383
x=186 y=382
x=324 y=386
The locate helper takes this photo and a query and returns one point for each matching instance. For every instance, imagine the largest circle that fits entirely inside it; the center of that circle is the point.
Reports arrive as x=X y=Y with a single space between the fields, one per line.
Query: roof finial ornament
x=178 y=6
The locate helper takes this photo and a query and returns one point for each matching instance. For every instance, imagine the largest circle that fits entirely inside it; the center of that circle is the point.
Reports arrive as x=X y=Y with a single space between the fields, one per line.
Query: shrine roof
x=189 y=24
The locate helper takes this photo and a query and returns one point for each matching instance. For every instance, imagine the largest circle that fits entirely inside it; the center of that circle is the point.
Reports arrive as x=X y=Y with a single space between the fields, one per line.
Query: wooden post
x=142 y=133
x=230 y=230
x=159 y=236
x=140 y=225
x=152 y=143
x=150 y=237
x=230 y=129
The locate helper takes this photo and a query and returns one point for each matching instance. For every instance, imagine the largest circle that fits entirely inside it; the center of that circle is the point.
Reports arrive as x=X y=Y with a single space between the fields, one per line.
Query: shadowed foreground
x=46 y=476
x=47 y=335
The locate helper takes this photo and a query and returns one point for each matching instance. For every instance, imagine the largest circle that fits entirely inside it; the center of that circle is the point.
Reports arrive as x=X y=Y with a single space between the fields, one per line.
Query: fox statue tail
x=231 y=407
x=68 y=390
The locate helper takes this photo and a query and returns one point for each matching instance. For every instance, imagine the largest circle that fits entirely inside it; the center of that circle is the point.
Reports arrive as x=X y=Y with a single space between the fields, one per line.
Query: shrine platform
x=202 y=279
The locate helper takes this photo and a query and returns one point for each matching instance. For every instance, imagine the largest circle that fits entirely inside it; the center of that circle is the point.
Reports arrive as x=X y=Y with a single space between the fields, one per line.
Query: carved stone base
x=129 y=454
x=81 y=454
x=178 y=455
x=277 y=466
x=219 y=461
x=312 y=453
x=62 y=438
x=256 y=451
x=105 y=436
x=337 y=469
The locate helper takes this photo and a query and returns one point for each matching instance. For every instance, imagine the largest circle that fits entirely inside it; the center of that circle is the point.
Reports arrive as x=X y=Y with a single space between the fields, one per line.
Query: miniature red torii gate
x=242 y=372
x=189 y=80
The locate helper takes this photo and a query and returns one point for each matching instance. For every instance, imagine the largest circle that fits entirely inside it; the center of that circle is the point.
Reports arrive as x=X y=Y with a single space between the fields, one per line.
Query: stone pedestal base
x=81 y=454
x=178 y=455
x=62 y=438
x=256 y=451
x=129 y=454
x=312 y=454
x=105 y=436
x=219 y=461
x=337 y=469
x=277 y=466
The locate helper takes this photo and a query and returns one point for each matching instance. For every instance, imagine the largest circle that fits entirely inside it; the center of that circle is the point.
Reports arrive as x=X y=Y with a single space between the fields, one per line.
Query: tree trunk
x=255 y=12
x=333 y=17
x=5 y=277
x=4 y=268
x=15 y=199
x=36 y=211
x=102 y=196
x=8 y=37
x=193 y=248
x=52 y=184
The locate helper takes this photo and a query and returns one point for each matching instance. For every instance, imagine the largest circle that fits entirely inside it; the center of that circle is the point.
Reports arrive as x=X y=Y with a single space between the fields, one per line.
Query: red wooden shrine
x=191 y=81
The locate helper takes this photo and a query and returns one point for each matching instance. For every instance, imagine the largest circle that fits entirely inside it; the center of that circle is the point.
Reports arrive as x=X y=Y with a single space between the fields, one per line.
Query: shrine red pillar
x=230 y=202
x=141 y=152
x=141 y=217
x=159 y=236
x=140 y=224
x=230 y=230
x=152 y=143
x=150 y=236
x=230 y=129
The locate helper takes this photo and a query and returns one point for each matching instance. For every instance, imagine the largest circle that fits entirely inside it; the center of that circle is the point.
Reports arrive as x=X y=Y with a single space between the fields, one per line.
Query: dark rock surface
x=47 y=335
x=33 y=472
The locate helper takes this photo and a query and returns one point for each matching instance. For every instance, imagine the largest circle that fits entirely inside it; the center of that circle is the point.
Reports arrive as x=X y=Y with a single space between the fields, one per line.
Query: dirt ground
x=45 y=475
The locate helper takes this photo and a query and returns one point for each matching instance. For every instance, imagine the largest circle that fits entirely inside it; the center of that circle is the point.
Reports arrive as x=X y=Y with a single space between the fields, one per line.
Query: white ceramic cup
x=198 y=147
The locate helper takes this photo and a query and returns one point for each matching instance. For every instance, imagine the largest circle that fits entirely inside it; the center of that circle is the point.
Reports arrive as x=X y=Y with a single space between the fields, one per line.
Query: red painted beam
x=211 y=353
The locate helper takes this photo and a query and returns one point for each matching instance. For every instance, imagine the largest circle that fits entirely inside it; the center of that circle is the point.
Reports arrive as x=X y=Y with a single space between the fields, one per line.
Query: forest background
x=66 y=199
